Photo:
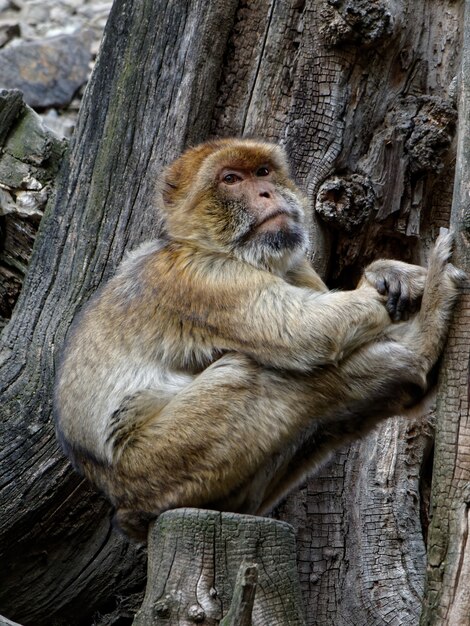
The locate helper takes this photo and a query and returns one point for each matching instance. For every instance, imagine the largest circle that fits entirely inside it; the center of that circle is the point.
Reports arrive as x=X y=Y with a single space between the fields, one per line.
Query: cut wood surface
x=195 y=560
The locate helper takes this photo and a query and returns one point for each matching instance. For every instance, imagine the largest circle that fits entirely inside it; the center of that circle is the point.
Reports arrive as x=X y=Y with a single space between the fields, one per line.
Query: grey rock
x=62 y=125
x=30 y=155
x=48 y=72
x=6 y=5
x=29 y=141
x=8 y=31
x=32 y=203
x=7 y=203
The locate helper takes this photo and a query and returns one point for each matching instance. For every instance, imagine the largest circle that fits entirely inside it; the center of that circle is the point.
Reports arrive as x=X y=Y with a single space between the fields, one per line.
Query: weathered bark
x=240 y=612
x=448 y=583
x=359 y=89
x=152 y=92
x=360 y=531
x=194 y=561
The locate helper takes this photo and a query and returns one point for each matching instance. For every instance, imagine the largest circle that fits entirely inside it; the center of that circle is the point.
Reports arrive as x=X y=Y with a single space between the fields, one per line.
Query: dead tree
x=362 y=94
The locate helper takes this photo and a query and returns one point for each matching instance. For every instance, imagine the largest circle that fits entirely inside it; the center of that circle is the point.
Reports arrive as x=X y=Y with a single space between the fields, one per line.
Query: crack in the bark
x=258 y=66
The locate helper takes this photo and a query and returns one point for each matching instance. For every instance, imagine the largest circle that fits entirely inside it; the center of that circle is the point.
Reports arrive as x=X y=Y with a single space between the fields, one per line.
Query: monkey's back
x=114 y=349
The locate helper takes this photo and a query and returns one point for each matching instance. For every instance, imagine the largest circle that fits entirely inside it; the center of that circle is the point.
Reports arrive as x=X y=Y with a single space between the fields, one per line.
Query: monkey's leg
x=377 y=382
x=208 y=440
x=215 y=442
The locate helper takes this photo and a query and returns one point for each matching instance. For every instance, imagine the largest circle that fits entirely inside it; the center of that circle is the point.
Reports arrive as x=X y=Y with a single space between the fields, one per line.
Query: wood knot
x=162 y=608
x=196 y=614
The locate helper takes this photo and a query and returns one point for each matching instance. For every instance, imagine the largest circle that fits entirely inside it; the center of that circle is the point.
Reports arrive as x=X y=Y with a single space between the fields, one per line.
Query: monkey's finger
x=403 y=304
x=381 y=285
x=394 y=292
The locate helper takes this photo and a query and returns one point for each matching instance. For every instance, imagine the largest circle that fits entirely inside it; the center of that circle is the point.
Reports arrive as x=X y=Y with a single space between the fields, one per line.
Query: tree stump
x=204 y=565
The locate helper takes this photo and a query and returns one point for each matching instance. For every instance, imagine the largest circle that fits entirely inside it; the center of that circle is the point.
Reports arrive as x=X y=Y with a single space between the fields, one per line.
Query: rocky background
x=47 y=51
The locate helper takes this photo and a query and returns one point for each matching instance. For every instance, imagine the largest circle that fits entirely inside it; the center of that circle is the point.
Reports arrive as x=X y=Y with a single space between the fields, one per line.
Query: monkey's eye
x=262 y=171
x=231 y=179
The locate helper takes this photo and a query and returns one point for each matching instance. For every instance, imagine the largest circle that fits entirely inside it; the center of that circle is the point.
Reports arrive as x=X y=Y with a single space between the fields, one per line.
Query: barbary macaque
x=216 y=369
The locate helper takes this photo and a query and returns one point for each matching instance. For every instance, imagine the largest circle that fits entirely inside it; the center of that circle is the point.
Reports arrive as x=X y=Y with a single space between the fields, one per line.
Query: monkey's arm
x=402 y=283
x=234 y=306
x=296 y=328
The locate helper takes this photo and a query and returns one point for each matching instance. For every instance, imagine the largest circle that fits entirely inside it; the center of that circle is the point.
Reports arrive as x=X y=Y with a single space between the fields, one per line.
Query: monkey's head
x=236 y=196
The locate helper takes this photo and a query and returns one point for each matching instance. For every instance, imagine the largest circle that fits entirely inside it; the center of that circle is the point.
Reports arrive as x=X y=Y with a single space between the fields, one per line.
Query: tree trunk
x=448 y=583
x=152 y=92
x=361 y=94
x=195 y=558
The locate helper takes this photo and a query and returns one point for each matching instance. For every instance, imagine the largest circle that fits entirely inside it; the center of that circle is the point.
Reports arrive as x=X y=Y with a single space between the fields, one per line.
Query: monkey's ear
x=178 y=178
x=171 y=182
x=168 y=191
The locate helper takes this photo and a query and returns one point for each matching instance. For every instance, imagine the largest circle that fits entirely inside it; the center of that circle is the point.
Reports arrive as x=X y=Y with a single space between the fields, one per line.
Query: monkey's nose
x=265 y=194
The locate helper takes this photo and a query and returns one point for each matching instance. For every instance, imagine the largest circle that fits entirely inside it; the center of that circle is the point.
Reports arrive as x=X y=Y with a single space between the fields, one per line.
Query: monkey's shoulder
x=173 y=273
x=175 y=303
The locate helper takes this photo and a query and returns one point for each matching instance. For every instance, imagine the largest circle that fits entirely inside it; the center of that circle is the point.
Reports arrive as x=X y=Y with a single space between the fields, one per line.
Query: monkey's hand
x=400 y=283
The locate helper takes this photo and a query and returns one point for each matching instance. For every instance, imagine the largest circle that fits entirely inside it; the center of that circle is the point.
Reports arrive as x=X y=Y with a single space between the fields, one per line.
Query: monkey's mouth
x=277 y=220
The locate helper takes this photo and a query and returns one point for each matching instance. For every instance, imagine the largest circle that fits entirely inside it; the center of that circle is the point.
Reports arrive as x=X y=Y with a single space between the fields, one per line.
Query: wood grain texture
x=447 y=600
x=194 y=561
x=327 y=81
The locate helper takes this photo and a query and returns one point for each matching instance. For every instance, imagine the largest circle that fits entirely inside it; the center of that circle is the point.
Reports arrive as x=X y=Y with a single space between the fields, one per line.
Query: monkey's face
x=236 y=196
x=262 y=219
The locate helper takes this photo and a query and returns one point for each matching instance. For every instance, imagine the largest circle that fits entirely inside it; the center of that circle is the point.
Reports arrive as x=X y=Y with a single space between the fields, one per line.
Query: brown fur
x=216 y=369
